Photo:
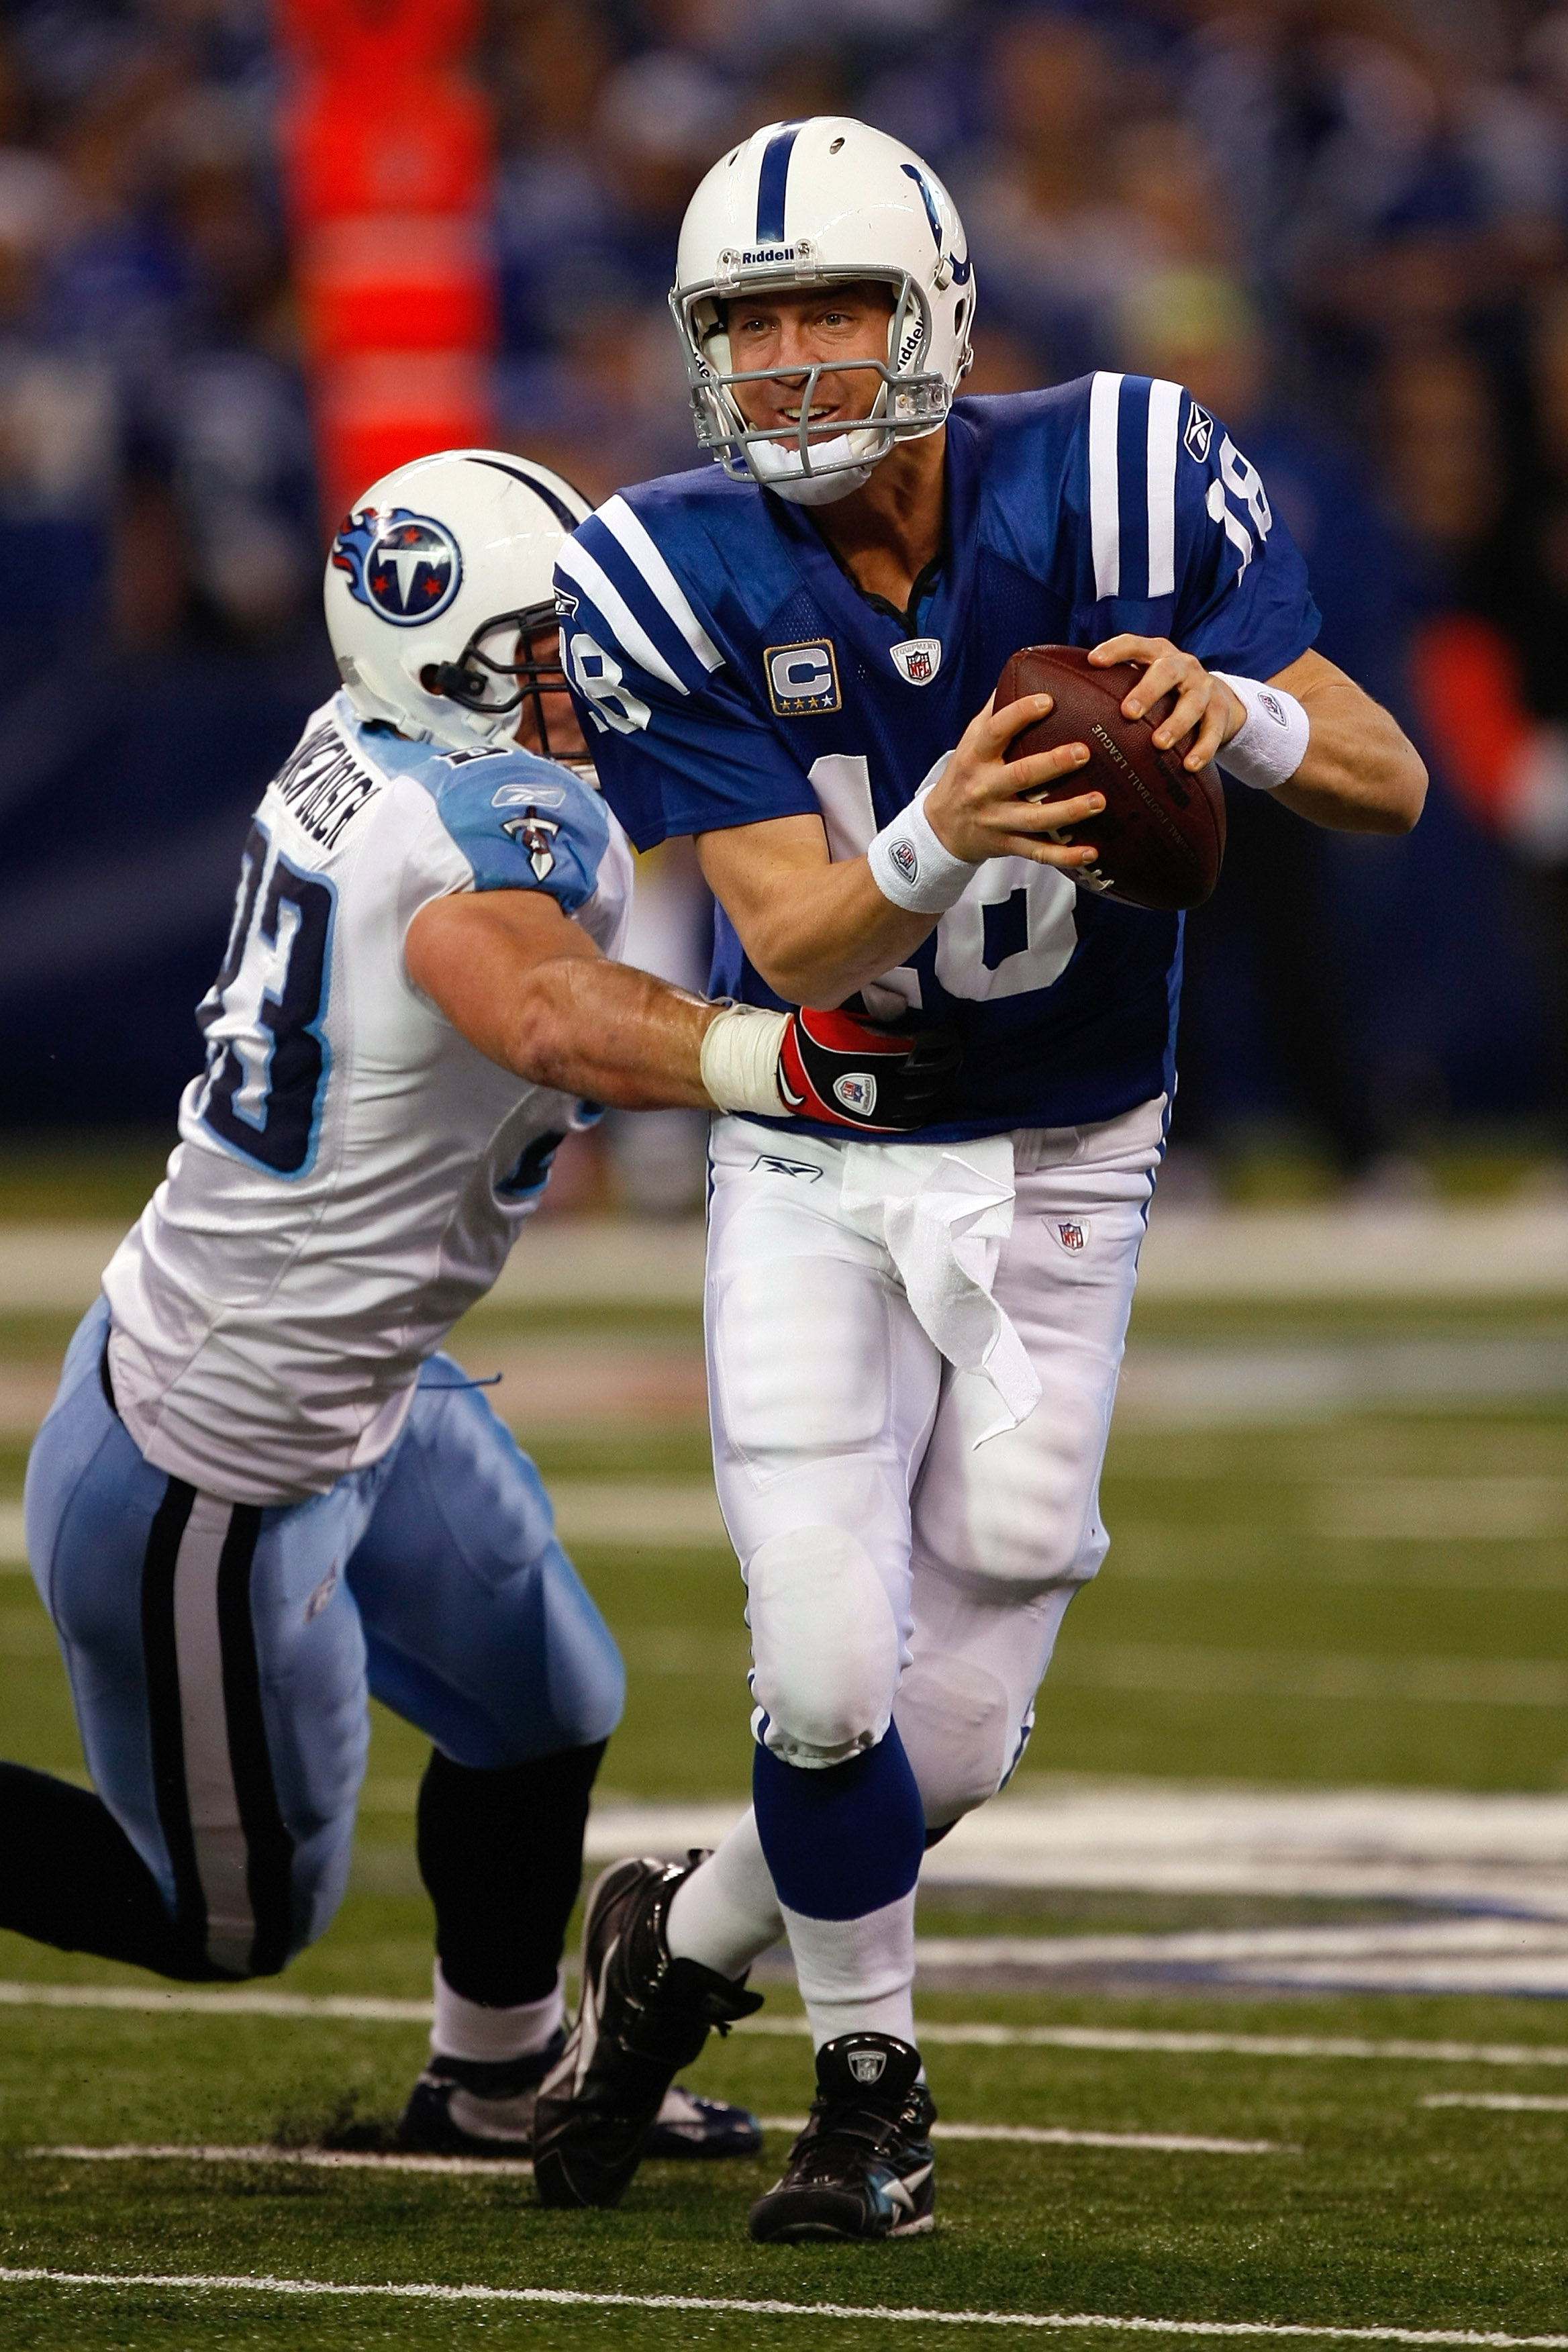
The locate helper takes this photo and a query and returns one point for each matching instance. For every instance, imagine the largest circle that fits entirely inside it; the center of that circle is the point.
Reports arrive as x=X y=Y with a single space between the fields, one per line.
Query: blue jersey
x=727 y=670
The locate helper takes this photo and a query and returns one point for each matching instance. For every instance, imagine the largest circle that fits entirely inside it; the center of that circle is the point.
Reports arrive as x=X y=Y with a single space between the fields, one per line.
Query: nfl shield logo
x=1072 y=1237
x=857 y=1090
x=918 y=660
x=867 y=2065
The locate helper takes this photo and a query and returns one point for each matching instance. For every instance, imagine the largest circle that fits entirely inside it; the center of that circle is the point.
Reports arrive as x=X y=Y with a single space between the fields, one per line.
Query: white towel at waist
x=942 y=1212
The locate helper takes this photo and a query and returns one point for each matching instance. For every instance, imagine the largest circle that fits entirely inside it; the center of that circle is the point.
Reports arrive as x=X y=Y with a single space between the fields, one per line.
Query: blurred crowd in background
x=1342 y=223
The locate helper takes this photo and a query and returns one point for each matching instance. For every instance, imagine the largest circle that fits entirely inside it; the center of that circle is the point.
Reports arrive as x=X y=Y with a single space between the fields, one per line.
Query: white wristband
x=740 y=1058
x=1271 y=742
x=910 y=865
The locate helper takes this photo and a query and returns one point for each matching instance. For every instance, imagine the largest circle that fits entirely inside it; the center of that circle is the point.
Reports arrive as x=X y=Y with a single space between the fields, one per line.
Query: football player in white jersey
x=913 y=1345
x=261 y=1490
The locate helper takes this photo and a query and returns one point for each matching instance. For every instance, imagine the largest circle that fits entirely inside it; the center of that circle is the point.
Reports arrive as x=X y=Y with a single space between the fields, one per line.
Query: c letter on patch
x=802 y=678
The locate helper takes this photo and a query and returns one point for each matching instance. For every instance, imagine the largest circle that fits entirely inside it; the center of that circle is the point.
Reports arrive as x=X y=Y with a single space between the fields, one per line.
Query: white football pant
x=895 y=1569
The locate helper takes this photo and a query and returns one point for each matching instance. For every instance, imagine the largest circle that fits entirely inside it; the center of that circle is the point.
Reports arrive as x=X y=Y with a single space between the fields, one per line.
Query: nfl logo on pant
x=1072 y=1236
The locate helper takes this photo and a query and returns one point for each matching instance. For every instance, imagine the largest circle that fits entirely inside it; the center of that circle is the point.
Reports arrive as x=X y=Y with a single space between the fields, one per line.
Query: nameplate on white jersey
x=918 y=660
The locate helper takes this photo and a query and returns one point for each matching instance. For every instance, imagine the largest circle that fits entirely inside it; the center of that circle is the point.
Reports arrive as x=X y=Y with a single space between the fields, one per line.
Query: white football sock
x=857 y=1975
x=488 y=2037
x=726 y=1912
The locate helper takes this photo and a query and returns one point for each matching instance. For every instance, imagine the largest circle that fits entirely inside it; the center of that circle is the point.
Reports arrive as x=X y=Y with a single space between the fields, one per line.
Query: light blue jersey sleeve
x=522 y=823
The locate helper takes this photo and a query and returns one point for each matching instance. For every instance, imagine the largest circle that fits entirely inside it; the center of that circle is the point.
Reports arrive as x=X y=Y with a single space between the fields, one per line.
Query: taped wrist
x=740 y=1058
x=910 y=865
x=1271 y=743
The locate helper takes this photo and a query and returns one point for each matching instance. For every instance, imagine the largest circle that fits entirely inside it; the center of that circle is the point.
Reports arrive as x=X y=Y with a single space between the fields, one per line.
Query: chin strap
x=777 y=466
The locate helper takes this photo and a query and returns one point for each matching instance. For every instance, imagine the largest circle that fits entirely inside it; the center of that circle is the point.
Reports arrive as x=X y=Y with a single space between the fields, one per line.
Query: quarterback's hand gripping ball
x=1161 y=834
x=852 y=1072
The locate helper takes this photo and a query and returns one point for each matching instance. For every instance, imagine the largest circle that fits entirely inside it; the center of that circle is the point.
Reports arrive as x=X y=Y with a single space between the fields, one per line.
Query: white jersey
x=351 y=1172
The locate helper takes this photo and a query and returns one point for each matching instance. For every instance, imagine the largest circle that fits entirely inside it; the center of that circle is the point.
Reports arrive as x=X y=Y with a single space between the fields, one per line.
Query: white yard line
x=1450 y=1847
x=325 y=2159
x=1430 y=1955
x=372 y=2010
x=1059 y=2136
x=367 y=2009
x=882 y=2315
x=1510 y=2102
x=642 y=1512
x=1415 y=1251
x=335 y=2160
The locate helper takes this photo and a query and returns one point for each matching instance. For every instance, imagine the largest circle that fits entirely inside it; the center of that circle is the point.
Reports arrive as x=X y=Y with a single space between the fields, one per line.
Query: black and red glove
x=848 y=1072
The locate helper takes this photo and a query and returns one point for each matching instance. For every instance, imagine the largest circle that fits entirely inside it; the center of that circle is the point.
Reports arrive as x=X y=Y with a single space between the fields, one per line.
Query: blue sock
x=845 y=1842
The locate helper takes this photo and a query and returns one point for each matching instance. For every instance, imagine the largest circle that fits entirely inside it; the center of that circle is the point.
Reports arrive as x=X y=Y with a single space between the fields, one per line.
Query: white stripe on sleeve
x=1164 y=414
x=1104 y=500
x=575 y=564
x=623 y=523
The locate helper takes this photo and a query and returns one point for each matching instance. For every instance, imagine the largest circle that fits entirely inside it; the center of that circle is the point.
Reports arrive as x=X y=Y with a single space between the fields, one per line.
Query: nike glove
x=849 y=1072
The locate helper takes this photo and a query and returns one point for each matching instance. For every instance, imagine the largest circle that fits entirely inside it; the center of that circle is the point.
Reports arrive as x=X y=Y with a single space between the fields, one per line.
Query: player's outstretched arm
x=527 y=986
x=529 y=989
x=818 y=931
x=1360 y=773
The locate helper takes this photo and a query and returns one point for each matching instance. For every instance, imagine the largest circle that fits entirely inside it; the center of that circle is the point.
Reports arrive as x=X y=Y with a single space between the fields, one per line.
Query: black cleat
x=863 y=2166
x=641 y=2016
x=456 y=2108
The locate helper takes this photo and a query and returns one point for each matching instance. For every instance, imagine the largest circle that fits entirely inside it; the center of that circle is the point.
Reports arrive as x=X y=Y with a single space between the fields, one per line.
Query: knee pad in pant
x=827 y=1647
x=957 y=1725
x=1019 y=1513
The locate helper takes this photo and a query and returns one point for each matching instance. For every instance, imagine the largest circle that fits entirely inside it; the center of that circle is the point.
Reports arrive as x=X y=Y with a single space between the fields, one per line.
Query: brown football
x=1161 y=834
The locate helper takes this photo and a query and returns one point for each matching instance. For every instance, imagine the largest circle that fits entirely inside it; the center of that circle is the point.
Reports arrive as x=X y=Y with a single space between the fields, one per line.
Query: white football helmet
x=801 y=205
x=439 y=577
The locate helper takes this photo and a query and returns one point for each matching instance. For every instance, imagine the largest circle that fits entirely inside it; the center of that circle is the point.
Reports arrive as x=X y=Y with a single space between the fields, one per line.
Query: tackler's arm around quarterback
x=818 y=931
x=1310 y=736
x=527 y=986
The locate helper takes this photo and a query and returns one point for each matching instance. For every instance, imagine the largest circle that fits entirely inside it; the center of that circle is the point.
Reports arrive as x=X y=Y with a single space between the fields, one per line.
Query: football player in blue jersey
x=261 y=1489
x=914 y=1344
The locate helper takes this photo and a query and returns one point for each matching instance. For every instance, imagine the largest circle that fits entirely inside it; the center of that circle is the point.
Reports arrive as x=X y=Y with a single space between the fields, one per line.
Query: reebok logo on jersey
x=918 y=660
x=528 y=796
x=802 y=678
x=1199 y=434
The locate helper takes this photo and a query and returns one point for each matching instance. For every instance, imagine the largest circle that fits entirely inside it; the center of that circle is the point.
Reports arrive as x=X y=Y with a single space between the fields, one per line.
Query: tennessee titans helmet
x=805 y=204
x=439 y=578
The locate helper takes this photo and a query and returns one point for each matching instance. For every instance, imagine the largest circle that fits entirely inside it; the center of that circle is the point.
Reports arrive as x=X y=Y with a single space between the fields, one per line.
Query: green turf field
x=1315 y=1600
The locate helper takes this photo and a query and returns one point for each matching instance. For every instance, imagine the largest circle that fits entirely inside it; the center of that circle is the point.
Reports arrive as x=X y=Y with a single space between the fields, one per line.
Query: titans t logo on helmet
x=404 y=565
